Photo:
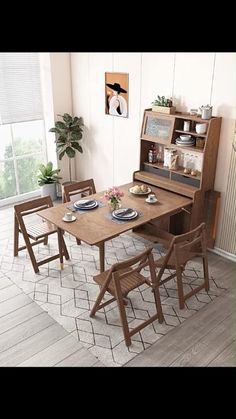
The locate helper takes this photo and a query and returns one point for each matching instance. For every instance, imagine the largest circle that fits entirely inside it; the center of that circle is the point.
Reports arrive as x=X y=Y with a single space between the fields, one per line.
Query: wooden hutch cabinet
x=194 y=174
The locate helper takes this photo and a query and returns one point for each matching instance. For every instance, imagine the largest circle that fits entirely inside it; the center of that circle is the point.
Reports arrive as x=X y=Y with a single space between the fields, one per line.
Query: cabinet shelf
x=194 y=148
x=179 y=171
x=192 y=133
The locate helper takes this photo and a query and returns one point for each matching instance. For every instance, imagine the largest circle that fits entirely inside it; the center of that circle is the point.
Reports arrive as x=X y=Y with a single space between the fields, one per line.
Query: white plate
x=69 y=221
x=129 y=216
x=140 y=193
x=153 y=201
x=185 y=145
x=92 y=205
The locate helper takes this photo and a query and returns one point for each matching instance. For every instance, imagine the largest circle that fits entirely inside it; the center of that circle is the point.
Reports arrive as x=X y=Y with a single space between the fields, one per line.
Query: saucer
x=153 y=201
x=69 y=221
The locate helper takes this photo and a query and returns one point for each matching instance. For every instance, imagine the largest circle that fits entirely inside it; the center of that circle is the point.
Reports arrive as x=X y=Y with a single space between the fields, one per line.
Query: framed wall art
x=116 y=94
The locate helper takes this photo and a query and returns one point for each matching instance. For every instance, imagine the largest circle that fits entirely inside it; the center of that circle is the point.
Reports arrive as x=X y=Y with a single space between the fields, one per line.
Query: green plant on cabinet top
x=162 y=101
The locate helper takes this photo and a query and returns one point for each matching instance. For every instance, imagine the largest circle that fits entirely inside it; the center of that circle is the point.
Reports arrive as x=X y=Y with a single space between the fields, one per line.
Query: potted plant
x=47 y=180
x=68 y=134
x=163 y=105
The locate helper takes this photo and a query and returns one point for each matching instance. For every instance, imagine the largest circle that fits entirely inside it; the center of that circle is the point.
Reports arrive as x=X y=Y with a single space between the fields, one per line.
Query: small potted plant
x=47 y=180
x=163 y=105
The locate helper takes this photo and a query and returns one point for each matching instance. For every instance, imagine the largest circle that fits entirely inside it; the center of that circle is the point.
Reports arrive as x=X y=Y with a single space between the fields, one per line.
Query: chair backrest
x=85 y=187
x=186 y=246
x=124 y=269
x=32 y=206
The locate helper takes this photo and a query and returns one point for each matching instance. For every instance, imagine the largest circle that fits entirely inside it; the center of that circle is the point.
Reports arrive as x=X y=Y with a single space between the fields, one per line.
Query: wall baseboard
x=223 y=253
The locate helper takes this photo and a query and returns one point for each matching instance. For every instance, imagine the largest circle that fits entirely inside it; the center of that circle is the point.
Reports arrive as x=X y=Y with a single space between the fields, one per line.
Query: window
x=22 y=128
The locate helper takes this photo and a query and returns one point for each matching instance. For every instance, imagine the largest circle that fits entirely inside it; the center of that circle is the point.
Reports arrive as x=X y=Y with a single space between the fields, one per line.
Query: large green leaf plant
x=47 y=175
x=68 y=134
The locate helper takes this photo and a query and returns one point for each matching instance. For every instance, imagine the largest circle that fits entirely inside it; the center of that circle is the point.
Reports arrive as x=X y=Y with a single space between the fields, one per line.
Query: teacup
x=152 y=197
x=68 y=216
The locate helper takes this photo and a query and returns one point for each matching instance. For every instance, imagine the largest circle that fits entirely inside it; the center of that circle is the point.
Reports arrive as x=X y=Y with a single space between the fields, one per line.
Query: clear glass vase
x=114 y=204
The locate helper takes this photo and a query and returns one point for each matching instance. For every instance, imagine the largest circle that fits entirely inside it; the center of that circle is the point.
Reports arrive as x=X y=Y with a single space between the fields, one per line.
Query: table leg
x=60 y=245
x=101 y=247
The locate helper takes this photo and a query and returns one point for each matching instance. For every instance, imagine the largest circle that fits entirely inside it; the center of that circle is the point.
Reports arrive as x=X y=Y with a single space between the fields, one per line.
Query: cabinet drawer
x=185 y=179
x=156 y=170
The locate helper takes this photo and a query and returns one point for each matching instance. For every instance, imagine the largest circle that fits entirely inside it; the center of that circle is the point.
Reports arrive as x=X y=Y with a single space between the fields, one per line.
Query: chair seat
x=37 y=231
x=127 y=284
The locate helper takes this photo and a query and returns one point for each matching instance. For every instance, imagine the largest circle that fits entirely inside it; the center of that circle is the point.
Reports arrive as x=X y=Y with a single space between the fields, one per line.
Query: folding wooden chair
x=38 y=232
x=122 y=278
x=85 y=187
x=183 y=248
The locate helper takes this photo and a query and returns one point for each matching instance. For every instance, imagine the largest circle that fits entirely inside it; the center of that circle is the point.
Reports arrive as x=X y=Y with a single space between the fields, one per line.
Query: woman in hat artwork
x=117 y=104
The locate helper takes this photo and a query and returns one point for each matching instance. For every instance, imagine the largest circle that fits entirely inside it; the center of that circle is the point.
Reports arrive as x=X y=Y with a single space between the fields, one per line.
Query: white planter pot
x=49 y=189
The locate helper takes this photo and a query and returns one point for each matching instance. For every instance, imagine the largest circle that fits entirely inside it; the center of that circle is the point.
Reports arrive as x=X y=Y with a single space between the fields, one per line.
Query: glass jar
x=200 y=142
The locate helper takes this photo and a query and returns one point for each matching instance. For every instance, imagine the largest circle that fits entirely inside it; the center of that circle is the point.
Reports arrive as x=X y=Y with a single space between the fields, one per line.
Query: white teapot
x=206 y=111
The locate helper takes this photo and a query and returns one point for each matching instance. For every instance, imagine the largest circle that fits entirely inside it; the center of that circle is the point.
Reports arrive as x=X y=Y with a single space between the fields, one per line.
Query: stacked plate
x=185 y=141
x=125 y=214
x=86 y=204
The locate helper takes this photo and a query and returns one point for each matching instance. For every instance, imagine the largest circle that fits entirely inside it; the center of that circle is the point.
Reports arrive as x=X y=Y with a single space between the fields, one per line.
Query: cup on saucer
x=68 y=216
x=152 y=197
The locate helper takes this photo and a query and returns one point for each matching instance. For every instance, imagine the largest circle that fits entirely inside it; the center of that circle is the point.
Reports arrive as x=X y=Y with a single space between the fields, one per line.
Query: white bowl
x=185 y=137
x=201 y=128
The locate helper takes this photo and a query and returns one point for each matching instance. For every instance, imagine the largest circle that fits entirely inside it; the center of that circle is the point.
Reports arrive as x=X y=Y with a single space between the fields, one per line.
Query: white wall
x=111 y=144
x=62 y=98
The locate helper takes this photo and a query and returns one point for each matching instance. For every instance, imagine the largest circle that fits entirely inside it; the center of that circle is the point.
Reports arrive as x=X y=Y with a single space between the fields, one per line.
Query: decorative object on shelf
x=163 y=105
x=152 y=154
x=113 y=196
x=200 y=142
x=47 y=180
x=206 y=111
x=193 y=112
x=201 y=128
x=186 y=125
x=169 y=154
x=116 y=94
x=68 y=134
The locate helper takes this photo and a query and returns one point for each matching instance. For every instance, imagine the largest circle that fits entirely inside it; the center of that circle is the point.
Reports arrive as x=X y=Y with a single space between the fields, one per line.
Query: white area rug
x=69 y=295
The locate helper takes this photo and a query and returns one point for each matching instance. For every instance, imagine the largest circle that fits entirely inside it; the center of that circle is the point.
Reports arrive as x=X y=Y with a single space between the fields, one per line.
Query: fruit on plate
x=140 y=189
x=136 y=189
x=144 y=188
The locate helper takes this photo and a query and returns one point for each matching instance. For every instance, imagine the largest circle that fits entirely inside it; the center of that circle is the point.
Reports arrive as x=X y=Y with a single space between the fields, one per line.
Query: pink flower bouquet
x=113 y=196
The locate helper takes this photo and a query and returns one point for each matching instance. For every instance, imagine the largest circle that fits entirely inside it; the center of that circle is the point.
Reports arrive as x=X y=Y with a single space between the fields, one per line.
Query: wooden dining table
x=96 y=226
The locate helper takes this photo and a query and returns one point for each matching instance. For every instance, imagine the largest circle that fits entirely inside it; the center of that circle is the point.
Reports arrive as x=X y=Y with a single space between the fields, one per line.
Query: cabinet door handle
x=184 y=209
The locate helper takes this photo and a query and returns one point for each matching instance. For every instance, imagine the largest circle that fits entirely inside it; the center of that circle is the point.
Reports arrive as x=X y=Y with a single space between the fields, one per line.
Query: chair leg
x=98 y=301
x=206 y=274
x=158 y=304
x=31 y=254
x=180 y=288
x=123 y=317
x=45 y=242
x=16 y=236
